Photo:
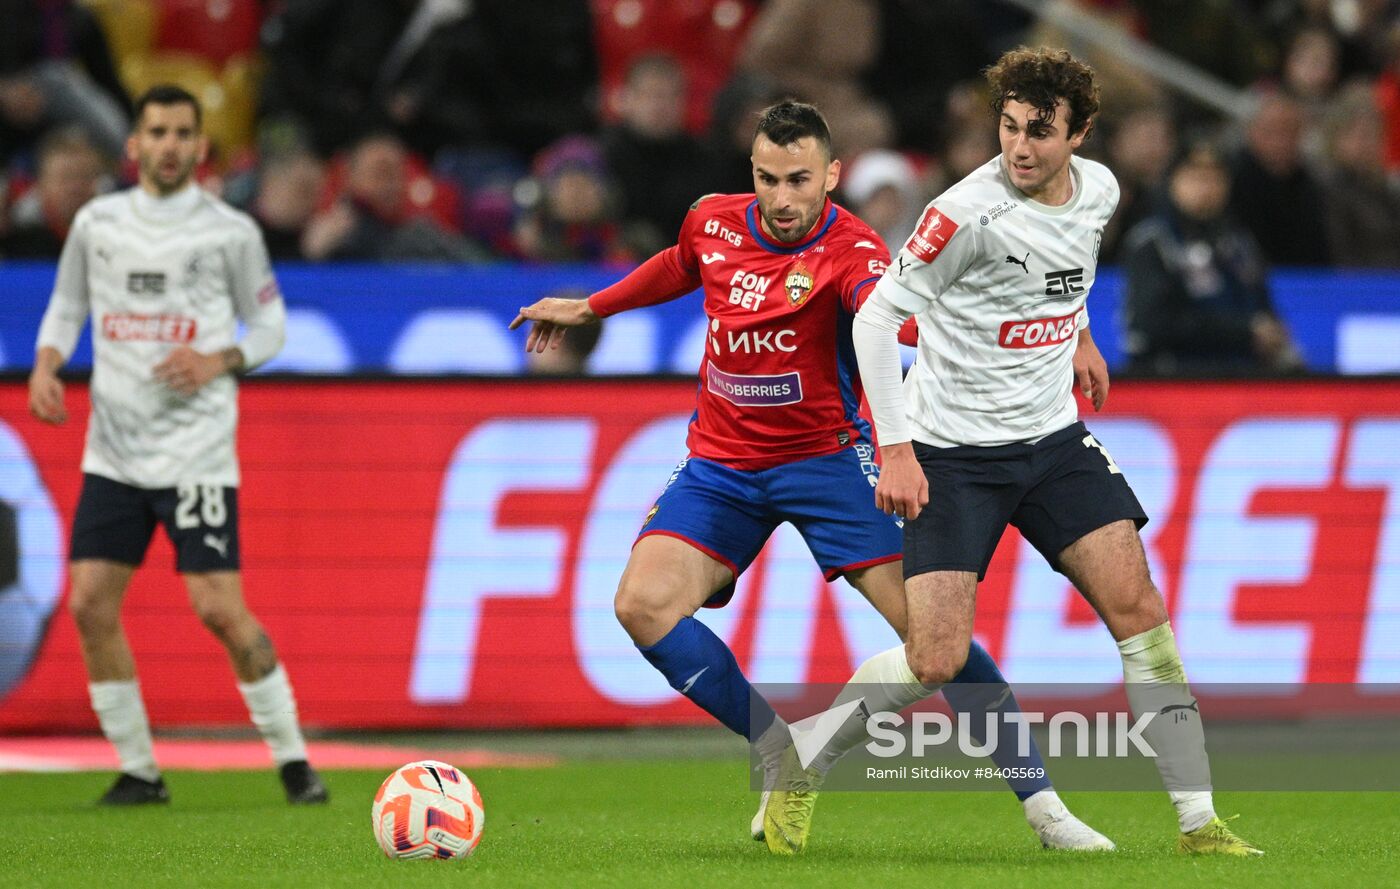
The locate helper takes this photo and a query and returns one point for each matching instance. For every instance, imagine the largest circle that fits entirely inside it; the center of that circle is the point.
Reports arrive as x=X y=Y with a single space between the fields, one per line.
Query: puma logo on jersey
x=1037 y=333
x=218 y=544
x=712 y=257
x=1020 y=262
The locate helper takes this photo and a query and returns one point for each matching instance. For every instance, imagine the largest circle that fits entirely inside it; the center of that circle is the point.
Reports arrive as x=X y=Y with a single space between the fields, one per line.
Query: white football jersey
x=154 y=274
x=998 y=283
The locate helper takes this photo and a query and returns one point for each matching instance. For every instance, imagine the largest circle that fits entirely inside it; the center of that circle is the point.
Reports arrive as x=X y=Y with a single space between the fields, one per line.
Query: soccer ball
x=428 y=809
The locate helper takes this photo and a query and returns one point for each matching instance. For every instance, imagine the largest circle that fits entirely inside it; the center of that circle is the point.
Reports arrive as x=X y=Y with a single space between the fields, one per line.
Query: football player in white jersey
x=985 y=431
x=165 y=270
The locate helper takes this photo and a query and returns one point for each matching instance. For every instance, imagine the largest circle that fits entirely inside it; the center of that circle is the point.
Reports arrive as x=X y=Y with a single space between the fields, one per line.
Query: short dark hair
x=789 y=121
x=167 y=94
x=1041 y=78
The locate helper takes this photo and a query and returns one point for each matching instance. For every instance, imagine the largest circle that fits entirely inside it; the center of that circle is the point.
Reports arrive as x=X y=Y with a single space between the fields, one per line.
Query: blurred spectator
x=732 y=127
x=1388 y=94
x=821 y=52
x=71 y=173
x=926 y=48
x=1140 y=148
x=56 y=70
x=703 y=36
x=1219 y=37
x=542 y=73
x=340 y=68
x=659 y=168
x=571 y=358
x=289 y=187
x=1196 y=296
x=570 y=210
x=1363 y=207
x=1274 y=195
x=373 y=219
x=1310 y=71
x=882 y=188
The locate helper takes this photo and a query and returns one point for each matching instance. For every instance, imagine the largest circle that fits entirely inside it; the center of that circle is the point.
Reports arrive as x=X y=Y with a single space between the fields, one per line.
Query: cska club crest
x=798 y=285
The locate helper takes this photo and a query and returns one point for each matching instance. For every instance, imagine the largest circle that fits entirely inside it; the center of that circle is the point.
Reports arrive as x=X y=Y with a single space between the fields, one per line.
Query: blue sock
x=700 y=666
x=979 y=690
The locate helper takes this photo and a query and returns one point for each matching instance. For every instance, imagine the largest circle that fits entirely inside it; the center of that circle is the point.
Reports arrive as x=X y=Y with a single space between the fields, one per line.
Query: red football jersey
x=779 y=381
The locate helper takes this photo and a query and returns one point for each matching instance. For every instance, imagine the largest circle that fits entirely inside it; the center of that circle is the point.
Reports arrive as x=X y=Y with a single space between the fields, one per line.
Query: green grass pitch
x=659 y=823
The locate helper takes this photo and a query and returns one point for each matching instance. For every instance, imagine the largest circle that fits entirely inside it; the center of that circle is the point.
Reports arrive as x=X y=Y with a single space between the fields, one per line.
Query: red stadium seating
x=703 y=35
x=214 y=30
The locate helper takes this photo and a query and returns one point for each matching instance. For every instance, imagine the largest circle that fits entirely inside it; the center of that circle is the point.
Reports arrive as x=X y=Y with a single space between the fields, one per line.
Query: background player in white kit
x=165 y=270
x=986 y=429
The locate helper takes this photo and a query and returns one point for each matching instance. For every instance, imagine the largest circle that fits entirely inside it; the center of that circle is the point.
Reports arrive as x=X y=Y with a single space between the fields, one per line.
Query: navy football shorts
x=115 y=522
x=1054 y=491
x=728 y=514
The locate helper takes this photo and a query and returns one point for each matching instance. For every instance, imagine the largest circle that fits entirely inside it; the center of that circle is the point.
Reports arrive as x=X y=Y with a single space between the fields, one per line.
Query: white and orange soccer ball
x=428 y=809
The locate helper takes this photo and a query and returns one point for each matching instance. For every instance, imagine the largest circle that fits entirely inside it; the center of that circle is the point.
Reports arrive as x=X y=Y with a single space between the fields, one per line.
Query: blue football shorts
x=728 y=514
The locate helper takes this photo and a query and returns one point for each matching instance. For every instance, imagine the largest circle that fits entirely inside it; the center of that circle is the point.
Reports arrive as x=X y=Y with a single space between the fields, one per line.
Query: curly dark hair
x=1041 y=78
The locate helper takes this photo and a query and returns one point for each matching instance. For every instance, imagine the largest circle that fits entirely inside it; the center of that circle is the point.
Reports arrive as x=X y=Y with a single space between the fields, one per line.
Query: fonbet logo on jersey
x=1037 y=333
x=158 y=328
x=932 y=234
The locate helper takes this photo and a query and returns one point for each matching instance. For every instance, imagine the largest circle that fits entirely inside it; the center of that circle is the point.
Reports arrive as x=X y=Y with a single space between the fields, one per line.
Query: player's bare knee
x=637 y=609
x=221 y=618
x=94 y=615
x=934 y=666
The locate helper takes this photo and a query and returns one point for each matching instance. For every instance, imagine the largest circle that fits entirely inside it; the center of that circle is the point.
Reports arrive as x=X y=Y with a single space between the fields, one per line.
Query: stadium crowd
x=581 y=130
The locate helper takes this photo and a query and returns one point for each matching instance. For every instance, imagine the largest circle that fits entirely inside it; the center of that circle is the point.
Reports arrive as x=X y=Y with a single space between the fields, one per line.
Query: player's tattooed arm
x=187 y=371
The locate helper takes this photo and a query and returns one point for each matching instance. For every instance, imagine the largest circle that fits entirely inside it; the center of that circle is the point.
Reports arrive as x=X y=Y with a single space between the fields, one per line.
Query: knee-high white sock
x=886 y=684
x=122 y=715
x=1156 y=683
x=274 y=712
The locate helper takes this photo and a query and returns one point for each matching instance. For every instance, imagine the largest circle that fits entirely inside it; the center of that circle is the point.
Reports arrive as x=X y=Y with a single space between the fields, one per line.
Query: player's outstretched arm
x=45 y=388
x=1090 y=370
x=550 y=317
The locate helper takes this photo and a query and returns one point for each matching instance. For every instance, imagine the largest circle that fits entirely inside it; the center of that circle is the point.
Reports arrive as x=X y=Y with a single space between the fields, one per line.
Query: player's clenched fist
x=551 y=316
x=46 y=397
x=903 y=487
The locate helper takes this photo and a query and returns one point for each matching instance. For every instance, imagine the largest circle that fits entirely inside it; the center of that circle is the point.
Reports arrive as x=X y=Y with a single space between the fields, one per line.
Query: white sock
x=1043 y=806
x=887 y=685
x=771 y=743
x=122 y=715
x=1156 y=682
x=274 y=712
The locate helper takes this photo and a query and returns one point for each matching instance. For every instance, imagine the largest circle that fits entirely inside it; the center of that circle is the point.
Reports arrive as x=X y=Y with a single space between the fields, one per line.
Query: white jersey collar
x=1076 y=184
x=170 y=208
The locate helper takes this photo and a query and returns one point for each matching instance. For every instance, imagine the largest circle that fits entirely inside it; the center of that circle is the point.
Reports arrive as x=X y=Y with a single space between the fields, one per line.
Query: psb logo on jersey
x=932 y=234
x=798 y=284
x=1037 y=333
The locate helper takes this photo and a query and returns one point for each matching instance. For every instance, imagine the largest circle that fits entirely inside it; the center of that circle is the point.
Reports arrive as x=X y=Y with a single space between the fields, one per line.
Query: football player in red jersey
x=777 y=436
